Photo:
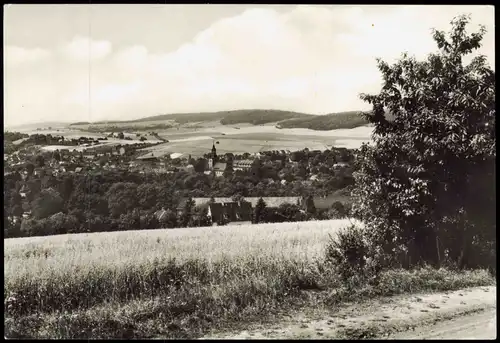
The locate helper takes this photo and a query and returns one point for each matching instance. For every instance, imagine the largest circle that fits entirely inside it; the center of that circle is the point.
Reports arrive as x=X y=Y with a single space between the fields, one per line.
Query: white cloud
x=14 y=55
x=312 y=59
x=83 y=49
x=133 y=57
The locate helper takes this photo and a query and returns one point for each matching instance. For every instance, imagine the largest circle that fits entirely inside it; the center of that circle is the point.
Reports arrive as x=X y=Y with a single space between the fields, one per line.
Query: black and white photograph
x=249 y=171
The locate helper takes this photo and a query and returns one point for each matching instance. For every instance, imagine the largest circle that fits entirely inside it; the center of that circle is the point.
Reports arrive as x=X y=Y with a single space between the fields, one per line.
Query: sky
x=116 y=62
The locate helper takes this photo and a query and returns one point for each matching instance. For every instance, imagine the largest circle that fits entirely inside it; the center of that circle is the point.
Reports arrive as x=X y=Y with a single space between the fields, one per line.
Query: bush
x=33 y=227
x=338 y=210
x=11 y=228
x=61 y=223
x=93 y=223
x=148 y=222
x=168 y=220
x=348 y=252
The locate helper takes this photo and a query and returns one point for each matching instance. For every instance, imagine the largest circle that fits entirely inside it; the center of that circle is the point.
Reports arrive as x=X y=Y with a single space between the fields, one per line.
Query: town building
x=341 y=165
x=151 y=158
x=230 y=213
x=214 y=165
x=219 y=168
x=160 y=214
x=270 y=201
x=242 y=165
x=213 y=158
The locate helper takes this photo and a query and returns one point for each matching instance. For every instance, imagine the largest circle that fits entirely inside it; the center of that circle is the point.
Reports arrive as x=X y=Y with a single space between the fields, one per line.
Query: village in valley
x=213 y=189
x=249 y=172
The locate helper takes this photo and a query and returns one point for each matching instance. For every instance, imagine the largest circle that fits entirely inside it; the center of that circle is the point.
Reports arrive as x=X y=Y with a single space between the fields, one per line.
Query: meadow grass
x=180 y=283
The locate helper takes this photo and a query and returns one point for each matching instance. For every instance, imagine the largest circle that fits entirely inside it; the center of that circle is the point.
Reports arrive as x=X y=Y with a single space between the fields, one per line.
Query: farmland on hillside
x=66 y=132
x=334 y=121
x=201 y=145
x=286 y=119
x=255 y=117
x=247 y=131
x=259 y=117
x=117 y=126
x=260 y=138
x=229 y=270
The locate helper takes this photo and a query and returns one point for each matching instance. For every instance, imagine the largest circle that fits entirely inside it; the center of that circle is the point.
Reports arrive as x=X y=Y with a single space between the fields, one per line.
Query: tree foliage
x=259 y=211
x=426 y=188
x=169 y=219
x=122 y=198
x=57 y=156
x=187 y=213
x=40 y=160
x=309 y=205
x=47 y=203
x=30 y=168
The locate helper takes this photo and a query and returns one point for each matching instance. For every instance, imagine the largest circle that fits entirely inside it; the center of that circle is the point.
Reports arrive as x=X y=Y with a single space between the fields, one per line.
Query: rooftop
x=242 y=163
x=220 y=166
x=270 y=201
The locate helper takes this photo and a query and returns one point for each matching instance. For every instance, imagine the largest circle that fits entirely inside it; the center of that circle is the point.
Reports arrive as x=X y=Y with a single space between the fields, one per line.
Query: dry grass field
x=32 y=257
x=177 y=283
x=76 y=281
x=65 y=259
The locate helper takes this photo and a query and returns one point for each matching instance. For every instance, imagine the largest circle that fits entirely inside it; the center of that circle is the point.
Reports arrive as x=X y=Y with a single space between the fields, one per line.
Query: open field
x=179 y=283
x=253 y=139
x=252 y=131
x=360 y=132
x=196 y=138
x=109 y=143
x=69 y=132
x=66 y=133
x=34 y=126
x=245 y=138
x=302 y=241
x=202 y=145
x=138 y=124
x=60 y=130
x=227 y=269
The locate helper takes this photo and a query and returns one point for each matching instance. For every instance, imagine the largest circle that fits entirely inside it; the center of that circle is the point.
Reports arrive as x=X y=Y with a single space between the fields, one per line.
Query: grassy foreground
x=182 y=283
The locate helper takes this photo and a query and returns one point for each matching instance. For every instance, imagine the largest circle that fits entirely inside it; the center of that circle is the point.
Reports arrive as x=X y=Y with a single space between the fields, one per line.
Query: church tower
x=214 y=153
x=213 y=158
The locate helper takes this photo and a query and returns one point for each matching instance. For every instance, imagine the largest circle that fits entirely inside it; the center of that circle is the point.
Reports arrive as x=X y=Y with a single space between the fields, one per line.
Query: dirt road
x=475 y=326
x=468 y=313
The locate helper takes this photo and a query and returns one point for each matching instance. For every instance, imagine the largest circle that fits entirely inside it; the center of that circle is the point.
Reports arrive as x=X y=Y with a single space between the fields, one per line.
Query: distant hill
x=259 y=117
x=256 y=117
x=285 y=119
x=334 y=121
x=184 y=118
x=81 y=123
x=33 y=126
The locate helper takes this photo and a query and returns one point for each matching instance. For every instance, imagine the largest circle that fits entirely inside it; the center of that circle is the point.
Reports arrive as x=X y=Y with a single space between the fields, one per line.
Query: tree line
x=123 y=200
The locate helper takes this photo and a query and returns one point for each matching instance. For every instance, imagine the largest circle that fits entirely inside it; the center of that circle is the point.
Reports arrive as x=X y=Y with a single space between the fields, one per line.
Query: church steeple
x=214 y=152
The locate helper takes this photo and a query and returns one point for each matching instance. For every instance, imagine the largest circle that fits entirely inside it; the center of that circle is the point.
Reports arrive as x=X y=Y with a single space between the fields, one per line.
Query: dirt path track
x=468 y=313
x=475 y=326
